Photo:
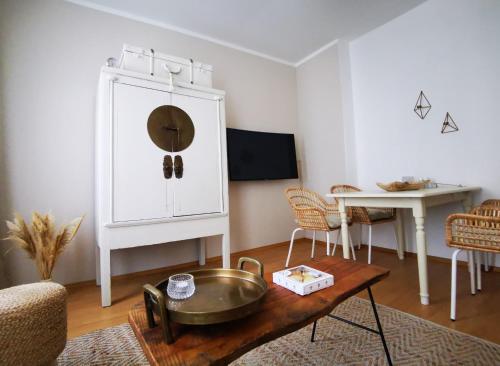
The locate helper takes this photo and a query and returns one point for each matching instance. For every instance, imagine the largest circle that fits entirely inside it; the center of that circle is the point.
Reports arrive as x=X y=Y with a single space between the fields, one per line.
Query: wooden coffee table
x=281 y=312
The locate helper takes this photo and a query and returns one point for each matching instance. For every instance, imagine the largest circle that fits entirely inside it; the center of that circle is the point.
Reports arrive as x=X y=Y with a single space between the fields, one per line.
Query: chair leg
x=327 y=243
x=369 y=244
x=336 y=241
x=352 y=246
x=478 y=270
x=399 y=248
x=360 y=236
x=291 y=246
x=486 y=258
x=470 y=255
x=453 y=305
x=313 y=244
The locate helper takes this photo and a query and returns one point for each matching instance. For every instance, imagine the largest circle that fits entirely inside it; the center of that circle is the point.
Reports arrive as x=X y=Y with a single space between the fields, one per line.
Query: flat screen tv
x=256 y=155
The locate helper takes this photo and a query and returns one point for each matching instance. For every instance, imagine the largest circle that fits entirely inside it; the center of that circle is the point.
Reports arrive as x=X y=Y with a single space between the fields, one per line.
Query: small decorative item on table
x=430 y=183
x=303 y=280
x=180 y=286
x=408 y=179
x=402 y=186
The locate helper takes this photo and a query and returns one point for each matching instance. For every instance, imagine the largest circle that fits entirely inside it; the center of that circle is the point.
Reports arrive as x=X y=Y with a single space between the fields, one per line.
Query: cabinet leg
x=97 y=266
x=226 y=251
x=105 y=262
x=202 y=251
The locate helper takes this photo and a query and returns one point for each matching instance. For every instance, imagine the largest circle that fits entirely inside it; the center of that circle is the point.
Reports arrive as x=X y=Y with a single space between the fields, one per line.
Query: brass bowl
x=220 y=295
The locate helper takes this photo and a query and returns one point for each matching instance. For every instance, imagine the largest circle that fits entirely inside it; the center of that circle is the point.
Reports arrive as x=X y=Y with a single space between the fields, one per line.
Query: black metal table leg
x=380 y=331
x=314 y=331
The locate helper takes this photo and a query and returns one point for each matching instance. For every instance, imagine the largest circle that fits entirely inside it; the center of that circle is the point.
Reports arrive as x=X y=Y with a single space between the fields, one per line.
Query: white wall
x=450 y=50
x=320 y=121
x=51 y=52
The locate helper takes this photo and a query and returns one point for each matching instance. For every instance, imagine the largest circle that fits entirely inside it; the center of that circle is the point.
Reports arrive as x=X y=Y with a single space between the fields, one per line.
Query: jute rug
x=411 y=340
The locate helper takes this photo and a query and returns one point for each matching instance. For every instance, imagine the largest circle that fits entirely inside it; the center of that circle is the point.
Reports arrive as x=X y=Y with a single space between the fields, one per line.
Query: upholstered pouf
x=33 y=323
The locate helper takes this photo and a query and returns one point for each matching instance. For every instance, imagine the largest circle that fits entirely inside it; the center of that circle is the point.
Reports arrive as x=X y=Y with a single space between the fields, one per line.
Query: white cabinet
x=137 y=202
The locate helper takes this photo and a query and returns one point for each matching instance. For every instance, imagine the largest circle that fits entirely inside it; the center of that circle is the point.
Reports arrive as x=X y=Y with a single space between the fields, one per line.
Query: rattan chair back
x=359 y=214
x=491 y=202
x=309 y=208
x=477 y=230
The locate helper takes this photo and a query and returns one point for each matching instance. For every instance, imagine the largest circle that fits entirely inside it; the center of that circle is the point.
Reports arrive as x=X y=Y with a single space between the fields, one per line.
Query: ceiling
x=287 y=31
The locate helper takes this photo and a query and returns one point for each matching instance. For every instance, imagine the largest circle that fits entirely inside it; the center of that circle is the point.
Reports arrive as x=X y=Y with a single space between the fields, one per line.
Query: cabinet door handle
x=178 y=166
x=167 y=167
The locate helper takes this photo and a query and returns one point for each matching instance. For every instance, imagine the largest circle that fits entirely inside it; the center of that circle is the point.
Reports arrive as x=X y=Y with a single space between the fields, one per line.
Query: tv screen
x=256 y=155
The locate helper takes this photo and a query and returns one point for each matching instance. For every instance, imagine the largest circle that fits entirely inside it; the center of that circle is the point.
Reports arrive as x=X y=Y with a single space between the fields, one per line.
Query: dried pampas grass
x=40 y=240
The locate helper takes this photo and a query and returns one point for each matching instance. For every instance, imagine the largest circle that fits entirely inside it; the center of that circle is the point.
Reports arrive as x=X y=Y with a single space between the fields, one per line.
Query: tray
x=221 y=295
x=401 y=186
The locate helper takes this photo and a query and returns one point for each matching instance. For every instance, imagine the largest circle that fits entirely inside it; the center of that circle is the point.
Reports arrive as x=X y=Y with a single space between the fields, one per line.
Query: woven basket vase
x=401 y=186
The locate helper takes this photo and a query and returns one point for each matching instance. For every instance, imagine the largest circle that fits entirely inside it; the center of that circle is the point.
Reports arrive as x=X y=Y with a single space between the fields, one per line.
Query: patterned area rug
x=411 y=340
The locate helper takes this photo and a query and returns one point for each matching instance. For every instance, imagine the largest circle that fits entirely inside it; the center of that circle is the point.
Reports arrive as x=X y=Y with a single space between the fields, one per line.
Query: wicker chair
x=491 y=202
x=477 y=231
x=313 y=213
x=489 y=258
x=367 y=215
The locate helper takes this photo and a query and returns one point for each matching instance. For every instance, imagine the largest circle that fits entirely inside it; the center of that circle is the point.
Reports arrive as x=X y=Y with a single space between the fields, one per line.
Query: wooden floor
x=478 y=315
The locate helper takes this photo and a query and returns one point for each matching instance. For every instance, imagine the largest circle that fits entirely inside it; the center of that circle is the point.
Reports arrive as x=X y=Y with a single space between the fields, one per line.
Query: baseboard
x=182 y=266
x=141 y=273
x=242 y=253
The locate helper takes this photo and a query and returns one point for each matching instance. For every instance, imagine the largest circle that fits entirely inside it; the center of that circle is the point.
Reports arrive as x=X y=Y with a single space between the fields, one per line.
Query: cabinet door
x=139 y=187
x=199 y=191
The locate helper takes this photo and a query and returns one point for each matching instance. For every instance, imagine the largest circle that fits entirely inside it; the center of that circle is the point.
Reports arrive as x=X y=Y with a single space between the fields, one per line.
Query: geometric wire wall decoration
x=422 y=107
x=449 y=124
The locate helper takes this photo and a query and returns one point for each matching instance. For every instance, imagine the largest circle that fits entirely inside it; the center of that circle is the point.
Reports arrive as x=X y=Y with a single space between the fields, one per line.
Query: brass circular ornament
x=170 y=128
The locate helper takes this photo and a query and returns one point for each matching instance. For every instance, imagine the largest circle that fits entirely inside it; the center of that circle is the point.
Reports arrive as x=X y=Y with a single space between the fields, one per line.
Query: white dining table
x=418 y=201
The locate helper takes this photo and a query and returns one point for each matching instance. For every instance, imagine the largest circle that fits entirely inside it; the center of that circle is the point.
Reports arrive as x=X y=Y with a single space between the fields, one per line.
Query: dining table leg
x=400 y=233
x=419 y=215
x=467 y=202
x=344 y=228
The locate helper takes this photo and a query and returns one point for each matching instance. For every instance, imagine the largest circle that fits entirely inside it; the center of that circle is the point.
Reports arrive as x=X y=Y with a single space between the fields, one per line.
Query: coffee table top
x=281 y=312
